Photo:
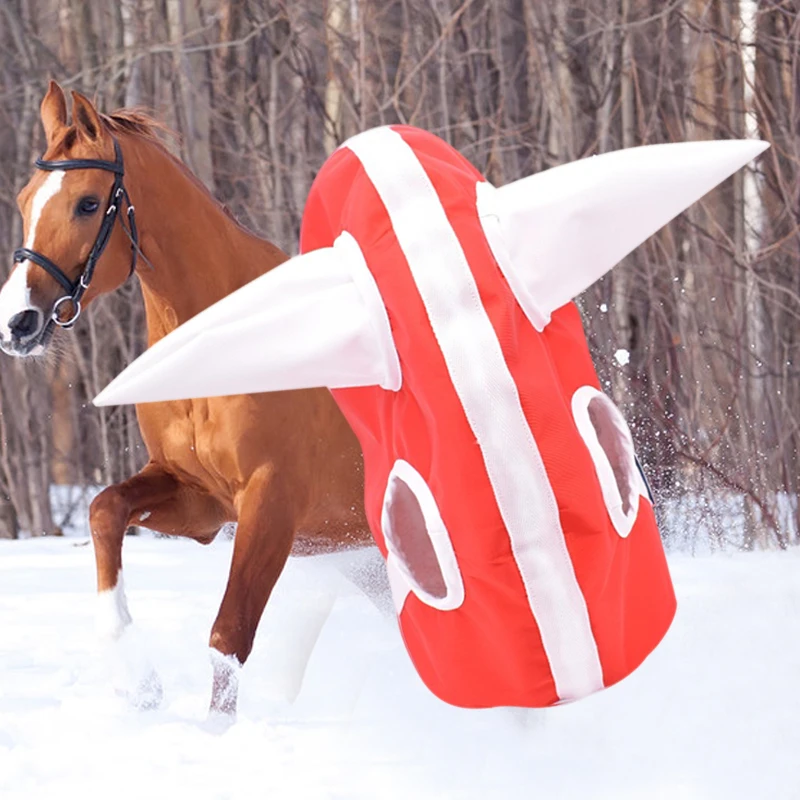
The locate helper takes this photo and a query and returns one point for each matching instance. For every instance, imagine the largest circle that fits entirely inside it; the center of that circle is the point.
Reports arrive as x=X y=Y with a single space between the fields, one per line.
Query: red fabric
x=487 y=652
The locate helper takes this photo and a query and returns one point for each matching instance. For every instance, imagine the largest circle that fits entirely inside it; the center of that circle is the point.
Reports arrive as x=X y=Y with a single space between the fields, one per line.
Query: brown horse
x=285 y=465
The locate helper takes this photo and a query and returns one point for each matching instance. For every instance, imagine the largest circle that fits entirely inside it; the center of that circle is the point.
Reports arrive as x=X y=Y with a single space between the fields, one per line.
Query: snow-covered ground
x=714 y=713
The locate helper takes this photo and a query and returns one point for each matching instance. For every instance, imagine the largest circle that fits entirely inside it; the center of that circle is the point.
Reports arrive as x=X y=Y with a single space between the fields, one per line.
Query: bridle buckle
x=73 y=319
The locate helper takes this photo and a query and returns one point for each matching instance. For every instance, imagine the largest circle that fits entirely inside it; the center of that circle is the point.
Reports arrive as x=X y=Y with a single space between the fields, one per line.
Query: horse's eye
x=87 y=206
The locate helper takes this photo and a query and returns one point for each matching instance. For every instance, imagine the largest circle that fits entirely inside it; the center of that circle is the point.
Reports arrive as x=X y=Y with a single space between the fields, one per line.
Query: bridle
x=76 y=289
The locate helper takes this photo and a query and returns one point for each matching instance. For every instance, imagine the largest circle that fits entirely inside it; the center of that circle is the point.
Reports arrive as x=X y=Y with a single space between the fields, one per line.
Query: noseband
x=76 y=289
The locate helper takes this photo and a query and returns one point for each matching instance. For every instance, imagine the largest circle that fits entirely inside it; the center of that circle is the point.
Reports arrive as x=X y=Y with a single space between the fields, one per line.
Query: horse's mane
x=135 y=120
x=139 y=122
x=125 y=120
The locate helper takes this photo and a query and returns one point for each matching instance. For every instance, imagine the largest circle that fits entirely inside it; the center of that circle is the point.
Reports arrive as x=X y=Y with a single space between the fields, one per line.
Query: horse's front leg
x=110 y=514
x=264 y=535
x=160 y=500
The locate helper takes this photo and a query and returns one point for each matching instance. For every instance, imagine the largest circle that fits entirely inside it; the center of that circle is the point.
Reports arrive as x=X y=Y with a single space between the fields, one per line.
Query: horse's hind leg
x=263 y=541
x=154 y=497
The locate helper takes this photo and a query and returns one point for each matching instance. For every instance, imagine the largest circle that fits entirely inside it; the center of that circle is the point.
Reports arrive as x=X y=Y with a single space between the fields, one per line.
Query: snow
x=712 y=714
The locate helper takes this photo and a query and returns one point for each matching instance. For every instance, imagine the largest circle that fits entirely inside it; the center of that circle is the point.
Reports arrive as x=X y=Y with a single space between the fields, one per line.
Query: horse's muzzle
x=28 y=334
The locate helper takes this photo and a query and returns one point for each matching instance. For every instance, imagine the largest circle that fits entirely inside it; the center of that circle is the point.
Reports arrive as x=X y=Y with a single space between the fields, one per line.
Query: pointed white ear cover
x=557 y=232
x=608 y=439
x=387 y=360
x=316 y=320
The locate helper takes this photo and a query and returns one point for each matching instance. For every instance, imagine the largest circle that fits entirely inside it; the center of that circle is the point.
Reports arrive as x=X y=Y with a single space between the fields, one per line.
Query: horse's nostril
x=25 y=324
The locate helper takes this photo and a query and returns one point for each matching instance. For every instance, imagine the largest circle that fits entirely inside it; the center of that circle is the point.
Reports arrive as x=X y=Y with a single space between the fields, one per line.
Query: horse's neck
x=198 y=253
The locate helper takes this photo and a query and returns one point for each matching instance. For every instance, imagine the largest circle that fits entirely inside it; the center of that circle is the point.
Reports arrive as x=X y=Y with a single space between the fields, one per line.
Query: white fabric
x=564 y=228
x=623 y=523
x=491 y=402
x=401 y=580
x=486 y=198
x=313 y=321
x=351 y=255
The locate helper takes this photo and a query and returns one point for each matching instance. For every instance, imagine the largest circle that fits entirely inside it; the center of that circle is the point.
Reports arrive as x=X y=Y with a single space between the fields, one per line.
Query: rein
x=76 y=289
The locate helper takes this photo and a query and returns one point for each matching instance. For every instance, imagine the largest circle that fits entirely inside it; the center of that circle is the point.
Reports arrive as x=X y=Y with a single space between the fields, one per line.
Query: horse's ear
x=85 y=117
x=53 y=112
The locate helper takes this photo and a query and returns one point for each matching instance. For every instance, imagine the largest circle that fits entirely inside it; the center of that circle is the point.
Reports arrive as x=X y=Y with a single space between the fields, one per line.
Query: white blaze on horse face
x=15 y=296
x=112 y=611
x=46 y=192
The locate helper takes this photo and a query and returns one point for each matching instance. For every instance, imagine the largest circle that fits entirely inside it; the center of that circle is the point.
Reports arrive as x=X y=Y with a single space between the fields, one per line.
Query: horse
x=285 y=466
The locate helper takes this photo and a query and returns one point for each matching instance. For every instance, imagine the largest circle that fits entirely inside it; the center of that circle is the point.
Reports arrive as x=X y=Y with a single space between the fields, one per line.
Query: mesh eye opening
x=614 y=446
x=608 y=439
x=420 y=553
x=408 y=532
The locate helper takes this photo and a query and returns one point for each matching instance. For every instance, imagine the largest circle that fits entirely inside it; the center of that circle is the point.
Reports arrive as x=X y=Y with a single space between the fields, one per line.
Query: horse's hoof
x=218 y=722
x=149 y=693
x=225 y=685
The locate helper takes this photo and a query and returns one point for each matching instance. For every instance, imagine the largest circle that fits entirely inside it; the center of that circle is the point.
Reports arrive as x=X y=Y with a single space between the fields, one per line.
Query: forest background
x=706 y=314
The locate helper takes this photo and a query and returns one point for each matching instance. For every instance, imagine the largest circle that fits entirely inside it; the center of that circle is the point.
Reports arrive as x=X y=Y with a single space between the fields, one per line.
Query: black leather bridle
x=119 y=195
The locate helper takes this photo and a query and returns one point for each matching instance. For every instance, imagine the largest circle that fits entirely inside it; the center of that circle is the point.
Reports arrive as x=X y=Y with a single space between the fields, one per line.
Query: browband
x=85 y=163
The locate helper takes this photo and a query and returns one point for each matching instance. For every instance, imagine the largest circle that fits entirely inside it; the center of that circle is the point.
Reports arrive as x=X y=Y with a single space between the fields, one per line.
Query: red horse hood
x=501 y=483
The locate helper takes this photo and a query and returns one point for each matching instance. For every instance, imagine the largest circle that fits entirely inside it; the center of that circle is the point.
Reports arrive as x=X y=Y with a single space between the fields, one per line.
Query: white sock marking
x=112 y=611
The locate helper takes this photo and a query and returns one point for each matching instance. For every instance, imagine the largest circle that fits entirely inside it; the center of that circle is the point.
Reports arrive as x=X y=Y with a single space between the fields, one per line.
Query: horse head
x=68 y=208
